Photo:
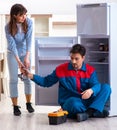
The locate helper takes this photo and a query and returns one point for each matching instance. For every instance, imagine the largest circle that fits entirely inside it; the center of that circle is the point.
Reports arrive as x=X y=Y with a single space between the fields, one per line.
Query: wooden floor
x=39 y=119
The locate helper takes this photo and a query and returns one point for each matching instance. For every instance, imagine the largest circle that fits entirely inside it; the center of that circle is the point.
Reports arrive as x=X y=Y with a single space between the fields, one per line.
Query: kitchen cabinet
x=41 y=24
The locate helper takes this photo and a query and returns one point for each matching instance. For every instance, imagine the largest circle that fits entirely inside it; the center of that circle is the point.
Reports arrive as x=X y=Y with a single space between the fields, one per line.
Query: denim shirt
x=21 y=42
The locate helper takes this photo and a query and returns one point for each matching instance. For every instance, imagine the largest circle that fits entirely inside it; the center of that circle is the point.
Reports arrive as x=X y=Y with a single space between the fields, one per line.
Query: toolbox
x=57 y=117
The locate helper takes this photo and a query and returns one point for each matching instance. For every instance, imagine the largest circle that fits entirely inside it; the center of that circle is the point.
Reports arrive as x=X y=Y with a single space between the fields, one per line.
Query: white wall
x=47 y=6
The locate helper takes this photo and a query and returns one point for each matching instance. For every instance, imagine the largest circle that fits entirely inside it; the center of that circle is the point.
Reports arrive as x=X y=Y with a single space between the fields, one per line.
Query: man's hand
x=87 y=94
x=26 y=72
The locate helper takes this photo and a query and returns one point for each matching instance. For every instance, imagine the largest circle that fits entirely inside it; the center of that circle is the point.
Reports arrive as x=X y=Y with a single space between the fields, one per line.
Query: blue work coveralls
x=72 y=83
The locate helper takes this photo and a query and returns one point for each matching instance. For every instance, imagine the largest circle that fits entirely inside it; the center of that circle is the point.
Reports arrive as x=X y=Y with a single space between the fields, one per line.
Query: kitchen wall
x=48 y=6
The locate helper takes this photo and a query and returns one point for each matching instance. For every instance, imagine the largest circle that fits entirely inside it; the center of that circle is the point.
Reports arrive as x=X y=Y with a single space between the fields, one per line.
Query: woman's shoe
x=29 y=107
x=16 y=110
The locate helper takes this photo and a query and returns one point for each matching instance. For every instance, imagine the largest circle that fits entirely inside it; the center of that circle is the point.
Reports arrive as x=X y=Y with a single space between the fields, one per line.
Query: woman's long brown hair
x=17 y=9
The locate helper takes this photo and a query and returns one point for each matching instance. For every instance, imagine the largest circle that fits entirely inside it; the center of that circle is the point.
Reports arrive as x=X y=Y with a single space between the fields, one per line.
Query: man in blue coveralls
x=80 y=92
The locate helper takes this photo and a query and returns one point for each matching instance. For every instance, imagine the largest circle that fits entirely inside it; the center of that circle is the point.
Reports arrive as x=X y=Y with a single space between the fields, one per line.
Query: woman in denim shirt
x=19 y=38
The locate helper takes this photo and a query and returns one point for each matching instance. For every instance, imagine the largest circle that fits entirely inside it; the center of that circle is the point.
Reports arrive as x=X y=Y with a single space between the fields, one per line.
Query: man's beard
x=75 y=66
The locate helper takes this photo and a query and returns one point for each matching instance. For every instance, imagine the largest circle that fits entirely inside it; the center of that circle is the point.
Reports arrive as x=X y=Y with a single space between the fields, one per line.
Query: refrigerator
x=49 y=53
x=97 y=31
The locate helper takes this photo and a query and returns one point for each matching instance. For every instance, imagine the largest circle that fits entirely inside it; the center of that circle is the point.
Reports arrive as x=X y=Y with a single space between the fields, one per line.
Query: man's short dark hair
x=78 y=48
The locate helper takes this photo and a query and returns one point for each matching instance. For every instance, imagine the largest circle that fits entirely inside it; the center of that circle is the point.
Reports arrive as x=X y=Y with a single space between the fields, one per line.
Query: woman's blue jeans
x=13 y=76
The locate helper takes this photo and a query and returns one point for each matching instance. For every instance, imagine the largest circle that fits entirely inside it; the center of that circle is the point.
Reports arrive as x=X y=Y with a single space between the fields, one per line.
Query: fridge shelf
x=99 y=63
x=105 y=52
x=54 y=58
x=53 y=45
